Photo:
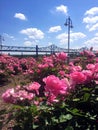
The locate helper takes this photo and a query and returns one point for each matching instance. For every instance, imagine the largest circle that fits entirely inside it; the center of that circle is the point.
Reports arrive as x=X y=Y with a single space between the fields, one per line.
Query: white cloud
x=92 y=42
x=9 y=36
x=63 y=38
x=91 y=19
x=55 y=29
x=96 y=34
x=29 y=43
x=25 y=38
x=20 y=16
x=78 y=35
x=94 y=27
x=92 y=11
x=50 y=43
x=33 y=33
x=73 y=37
x=62 y=9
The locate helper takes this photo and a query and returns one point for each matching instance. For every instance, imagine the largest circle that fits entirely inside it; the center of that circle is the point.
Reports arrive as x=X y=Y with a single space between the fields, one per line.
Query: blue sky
x=41 y=22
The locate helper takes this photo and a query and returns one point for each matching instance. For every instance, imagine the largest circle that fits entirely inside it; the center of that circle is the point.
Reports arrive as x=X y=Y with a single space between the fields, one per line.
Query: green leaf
x=68 y=116
x=64 y=118
x=97 y=99
x=86 y=97
x=69 y=128
x=18 y=107
x=75 y=112
x=76 y=99
x=35 y=126
x=87 y=89
x=54 y=120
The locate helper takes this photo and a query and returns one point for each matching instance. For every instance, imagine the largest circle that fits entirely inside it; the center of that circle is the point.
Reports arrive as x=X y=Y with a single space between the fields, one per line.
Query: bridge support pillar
x=36 y=50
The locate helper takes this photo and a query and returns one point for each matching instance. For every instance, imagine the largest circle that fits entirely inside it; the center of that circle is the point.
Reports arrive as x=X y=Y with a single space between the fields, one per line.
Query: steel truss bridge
x=37 y=50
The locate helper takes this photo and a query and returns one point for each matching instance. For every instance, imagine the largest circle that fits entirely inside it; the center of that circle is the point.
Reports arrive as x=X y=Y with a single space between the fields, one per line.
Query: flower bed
x=59 y=95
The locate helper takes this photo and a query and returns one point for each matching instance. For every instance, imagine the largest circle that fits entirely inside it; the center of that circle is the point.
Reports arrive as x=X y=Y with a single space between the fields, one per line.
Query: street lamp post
x=69 y=24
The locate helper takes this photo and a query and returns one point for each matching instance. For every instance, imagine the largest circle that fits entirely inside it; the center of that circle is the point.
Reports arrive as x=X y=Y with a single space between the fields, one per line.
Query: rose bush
x=59 y=96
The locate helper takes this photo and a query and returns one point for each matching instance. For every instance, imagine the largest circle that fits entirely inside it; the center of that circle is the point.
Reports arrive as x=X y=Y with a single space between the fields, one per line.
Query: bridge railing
x=37 y=50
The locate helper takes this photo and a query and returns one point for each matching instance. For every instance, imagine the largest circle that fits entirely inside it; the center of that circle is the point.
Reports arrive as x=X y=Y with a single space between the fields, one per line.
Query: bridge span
x=37 y=50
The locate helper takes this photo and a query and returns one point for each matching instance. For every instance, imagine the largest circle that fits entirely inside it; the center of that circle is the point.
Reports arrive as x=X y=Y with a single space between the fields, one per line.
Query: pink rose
x=61 y=56
x=33 y=87
x=8 y=96
x=77 y=77
x=88 y=74
x=55 y=86
x=90 y=66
